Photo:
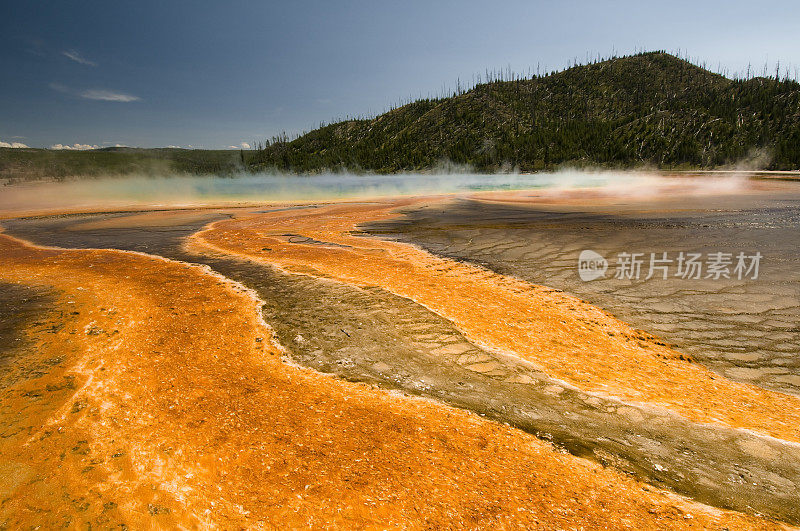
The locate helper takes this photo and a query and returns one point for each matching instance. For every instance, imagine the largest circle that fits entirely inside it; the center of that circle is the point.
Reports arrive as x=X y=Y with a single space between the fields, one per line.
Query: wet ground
x=34 y=383
x=745 y=329
x=18 y=304
x=21 y=308
x=368 y=334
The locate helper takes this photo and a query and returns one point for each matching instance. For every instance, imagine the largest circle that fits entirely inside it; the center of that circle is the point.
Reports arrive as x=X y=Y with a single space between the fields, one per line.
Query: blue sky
x=215 y=74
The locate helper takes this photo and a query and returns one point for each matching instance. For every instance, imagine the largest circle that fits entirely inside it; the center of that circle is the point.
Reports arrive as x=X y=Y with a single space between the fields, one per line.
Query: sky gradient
x=216 y=74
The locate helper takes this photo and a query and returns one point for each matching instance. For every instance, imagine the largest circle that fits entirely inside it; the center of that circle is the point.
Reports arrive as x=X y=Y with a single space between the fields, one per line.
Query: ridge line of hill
x=646 y=109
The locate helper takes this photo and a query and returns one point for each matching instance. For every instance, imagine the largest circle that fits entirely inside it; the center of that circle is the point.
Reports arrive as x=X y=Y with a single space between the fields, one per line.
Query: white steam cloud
x=261 y=188
x=77 y=57
x=16 y=145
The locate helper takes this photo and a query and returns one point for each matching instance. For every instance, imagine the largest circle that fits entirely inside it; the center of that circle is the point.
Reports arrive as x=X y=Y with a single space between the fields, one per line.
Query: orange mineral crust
x=170 y=406
x=566 y=337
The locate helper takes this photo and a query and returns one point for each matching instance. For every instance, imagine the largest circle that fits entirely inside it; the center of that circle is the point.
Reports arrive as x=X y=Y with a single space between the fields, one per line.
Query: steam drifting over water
x=248 y=188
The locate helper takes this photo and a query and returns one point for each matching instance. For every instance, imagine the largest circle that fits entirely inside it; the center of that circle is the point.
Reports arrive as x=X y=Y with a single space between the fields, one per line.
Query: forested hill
x=652 y=108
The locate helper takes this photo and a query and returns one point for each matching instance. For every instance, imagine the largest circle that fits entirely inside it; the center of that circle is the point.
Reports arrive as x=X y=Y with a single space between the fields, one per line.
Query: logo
x=633 y=266
x=591 y=265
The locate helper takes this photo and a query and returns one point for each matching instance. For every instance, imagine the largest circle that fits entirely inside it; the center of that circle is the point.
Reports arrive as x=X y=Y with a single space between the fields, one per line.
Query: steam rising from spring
x=181 y=191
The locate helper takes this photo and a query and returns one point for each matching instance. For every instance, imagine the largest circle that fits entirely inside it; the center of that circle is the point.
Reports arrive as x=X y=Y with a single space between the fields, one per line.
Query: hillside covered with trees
x=652 y=108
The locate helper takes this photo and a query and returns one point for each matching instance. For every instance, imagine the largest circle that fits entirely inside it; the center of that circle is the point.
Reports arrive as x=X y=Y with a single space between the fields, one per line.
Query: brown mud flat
x=363 y=327
x=183 y=414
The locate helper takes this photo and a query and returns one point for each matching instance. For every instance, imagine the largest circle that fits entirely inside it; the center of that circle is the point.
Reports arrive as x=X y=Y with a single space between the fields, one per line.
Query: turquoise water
x=312 y=187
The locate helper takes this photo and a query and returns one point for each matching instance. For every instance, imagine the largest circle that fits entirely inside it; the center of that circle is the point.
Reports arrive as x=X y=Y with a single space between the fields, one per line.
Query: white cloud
x=107 y=95
x=95 y=94
x=16 y=145
x=77 y=57
x=74 y=147
x=243 y=145
x=58 y=87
